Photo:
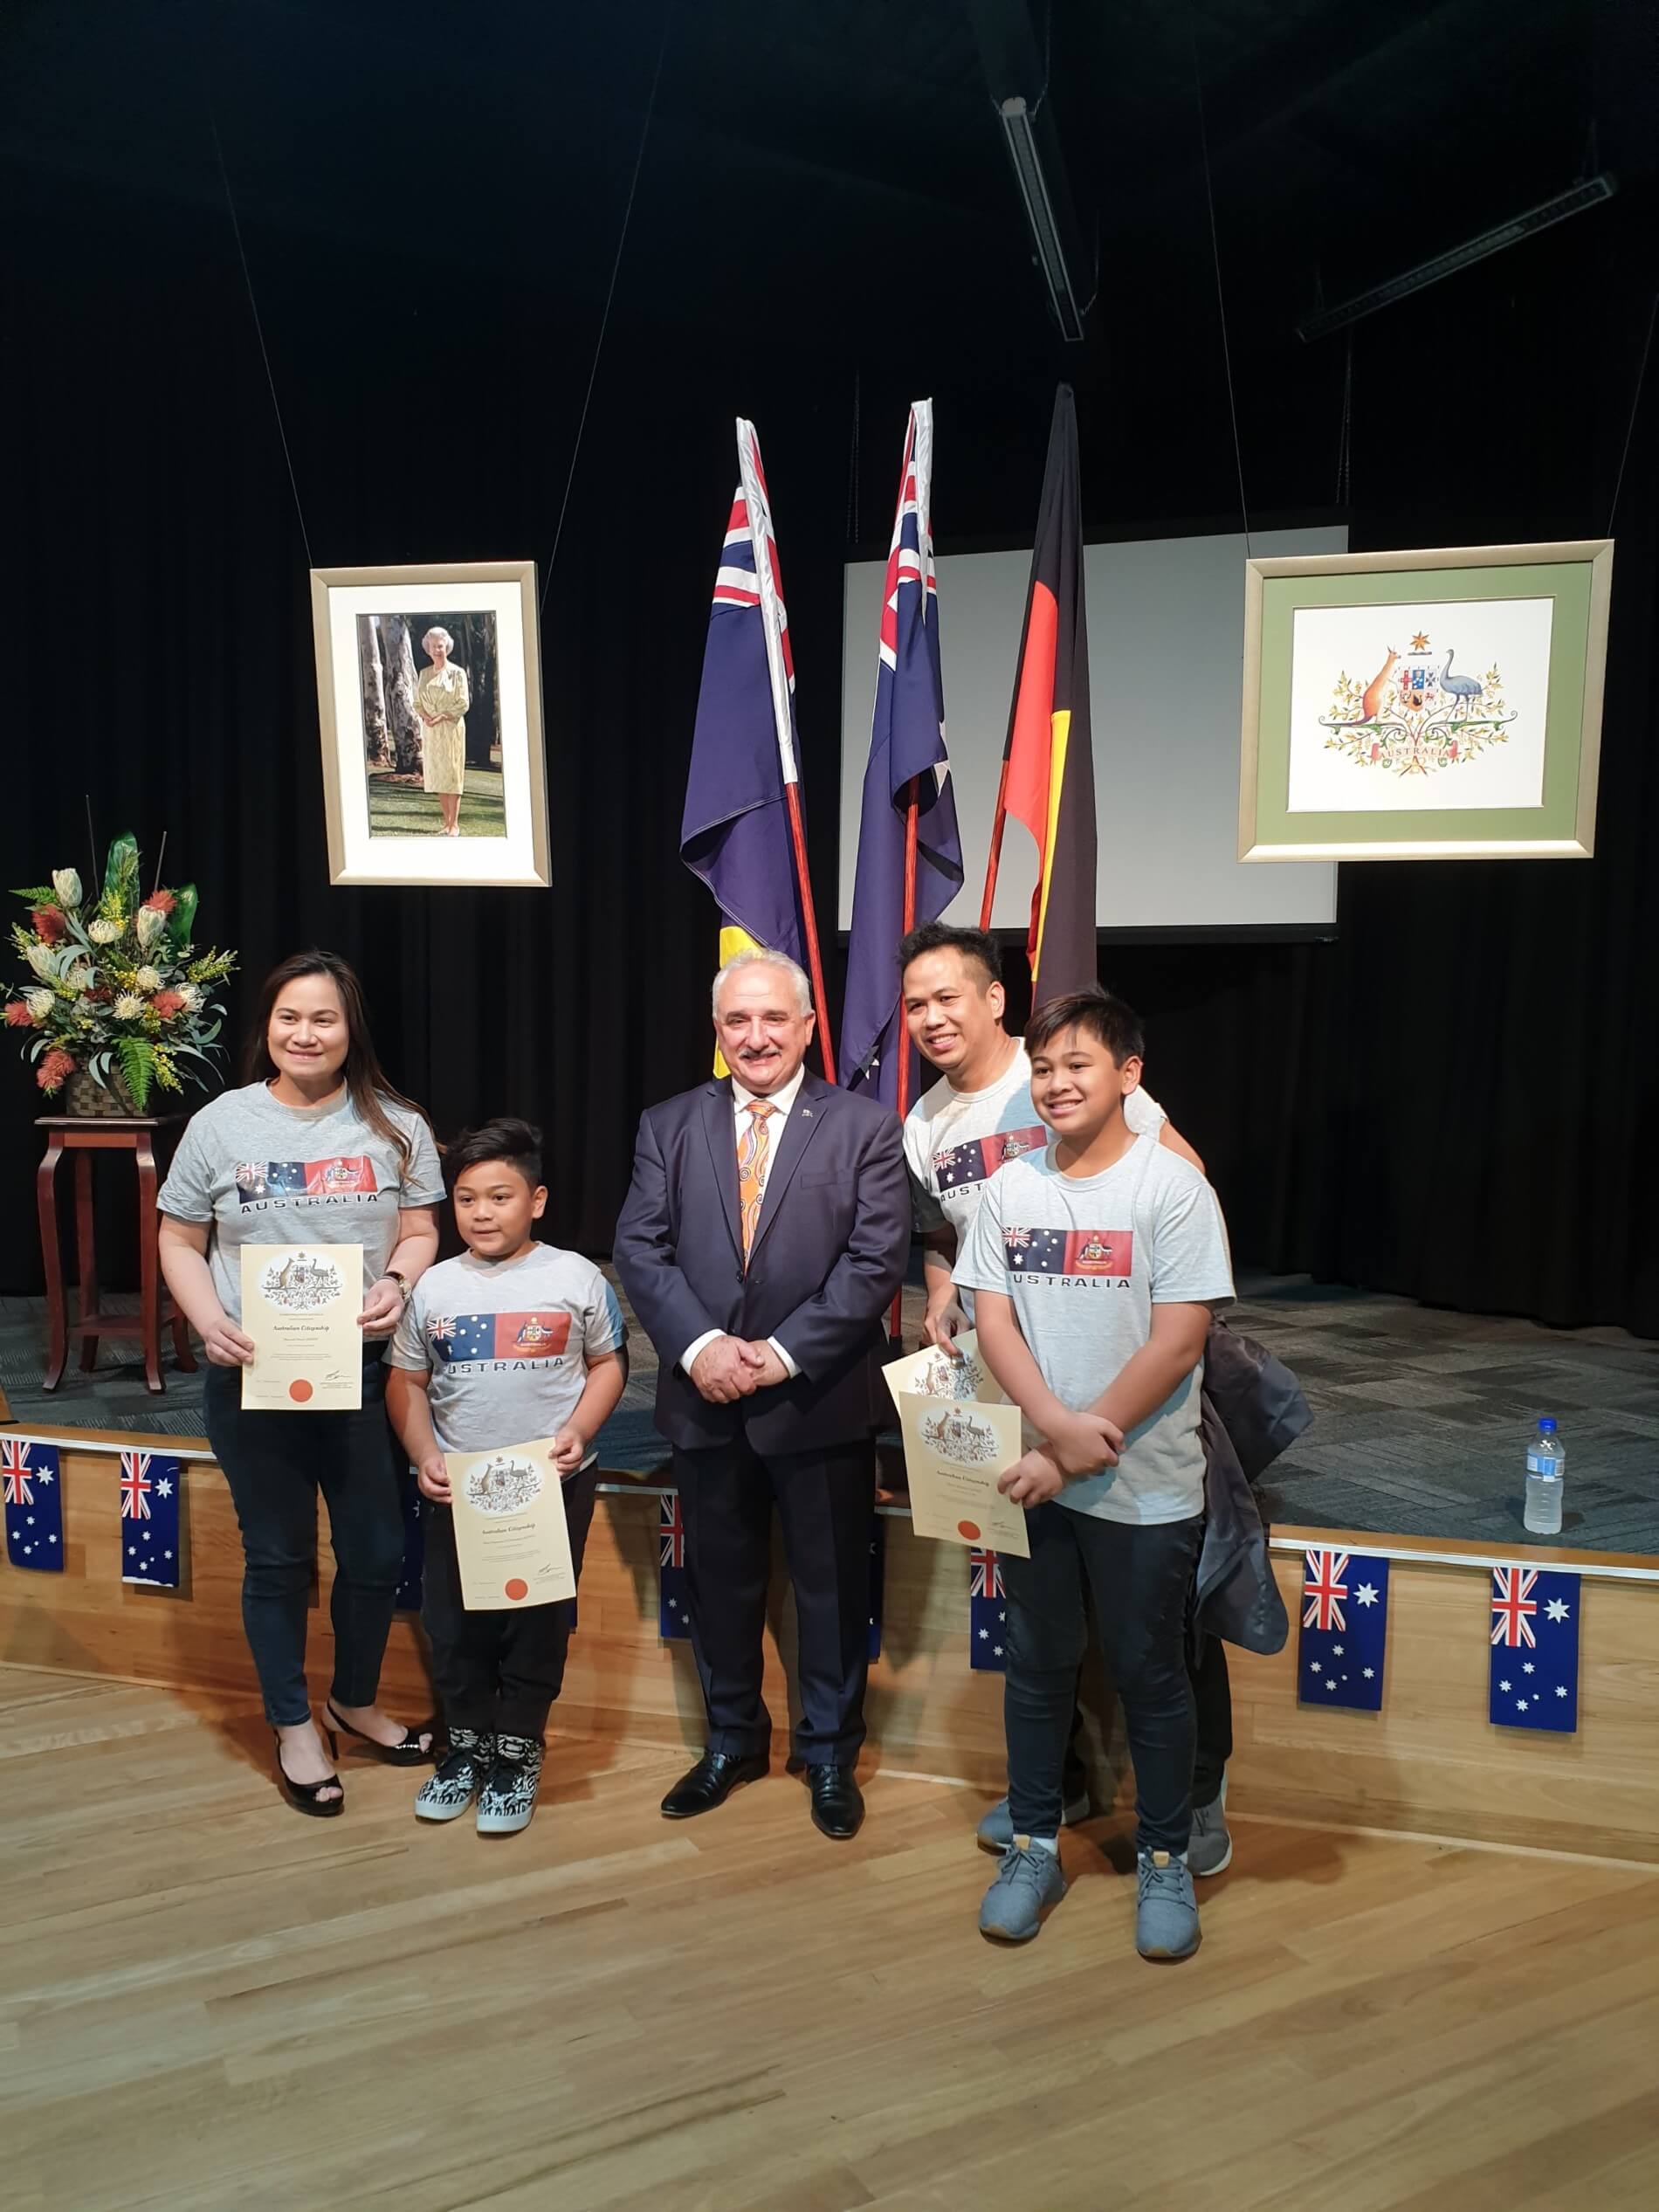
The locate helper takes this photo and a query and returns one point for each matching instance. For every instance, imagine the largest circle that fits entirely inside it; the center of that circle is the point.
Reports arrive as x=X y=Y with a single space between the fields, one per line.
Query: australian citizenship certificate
x=934 y=1372
x=955 y=1449
x=511 y=1544
x=299 y=1305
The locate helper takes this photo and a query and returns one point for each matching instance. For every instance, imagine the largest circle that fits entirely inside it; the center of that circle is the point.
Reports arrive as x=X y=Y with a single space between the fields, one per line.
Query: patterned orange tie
x=751 y=1169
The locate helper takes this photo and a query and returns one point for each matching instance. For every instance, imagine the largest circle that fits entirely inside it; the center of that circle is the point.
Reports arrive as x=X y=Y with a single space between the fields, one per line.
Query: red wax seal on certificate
x=299 y=1390
x=970 y=1529
x=517 y=1588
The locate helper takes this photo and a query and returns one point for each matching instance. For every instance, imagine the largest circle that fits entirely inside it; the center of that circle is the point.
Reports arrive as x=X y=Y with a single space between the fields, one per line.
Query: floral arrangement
x=116 y=987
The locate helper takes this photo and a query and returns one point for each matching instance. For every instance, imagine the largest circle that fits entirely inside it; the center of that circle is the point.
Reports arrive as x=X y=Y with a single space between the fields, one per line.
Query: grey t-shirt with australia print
x=507 y=1343
x=262 y=1172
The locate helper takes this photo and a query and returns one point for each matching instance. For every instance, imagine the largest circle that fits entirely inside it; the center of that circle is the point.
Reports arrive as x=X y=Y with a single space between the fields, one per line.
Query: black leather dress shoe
x=711 y=1783
x=837 y=1805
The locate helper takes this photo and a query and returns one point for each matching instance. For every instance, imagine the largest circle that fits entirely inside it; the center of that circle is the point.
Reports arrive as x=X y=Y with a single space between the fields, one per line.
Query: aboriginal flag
x=1048 y=760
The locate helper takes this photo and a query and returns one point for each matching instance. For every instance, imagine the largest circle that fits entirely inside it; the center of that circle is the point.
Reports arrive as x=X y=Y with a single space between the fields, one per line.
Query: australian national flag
x=152 y=1490
x=1535 y=1650
x=1070 y=1251
x=672 y=1617
x=987 y=1613
x=34 y=1504
x=735 y=832
x=1345 y=1630
x=907 y=760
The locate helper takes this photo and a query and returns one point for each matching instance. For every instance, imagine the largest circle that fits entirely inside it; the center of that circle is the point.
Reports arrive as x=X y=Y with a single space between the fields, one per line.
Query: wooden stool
x=83 y=1134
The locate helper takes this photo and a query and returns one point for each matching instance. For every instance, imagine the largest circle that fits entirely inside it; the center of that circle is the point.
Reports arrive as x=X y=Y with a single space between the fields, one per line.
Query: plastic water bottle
x=1545 y=1479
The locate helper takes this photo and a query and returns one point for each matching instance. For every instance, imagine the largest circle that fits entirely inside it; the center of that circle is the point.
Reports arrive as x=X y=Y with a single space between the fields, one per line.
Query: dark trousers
x=275 y=1463
x=1212 y=1716
x=499 y=1672
x=824 y=1500
x=1137 y=1578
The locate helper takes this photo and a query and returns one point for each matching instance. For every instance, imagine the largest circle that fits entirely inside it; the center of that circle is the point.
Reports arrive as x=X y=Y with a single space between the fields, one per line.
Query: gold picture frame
x=433 y=768
x=1421 y=762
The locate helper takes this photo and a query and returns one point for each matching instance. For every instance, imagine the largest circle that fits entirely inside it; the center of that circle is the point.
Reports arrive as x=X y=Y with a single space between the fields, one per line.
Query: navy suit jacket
x=829 y=1251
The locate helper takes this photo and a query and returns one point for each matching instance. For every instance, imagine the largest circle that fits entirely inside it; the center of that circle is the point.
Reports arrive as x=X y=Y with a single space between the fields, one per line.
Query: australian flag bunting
x=987 y=1613
x=1535 y=1650
x=34 y=1504
x=411 y=1573
x=1345 y=1630
x=877 y=1565
x=673 y=1618
x=152 y=1491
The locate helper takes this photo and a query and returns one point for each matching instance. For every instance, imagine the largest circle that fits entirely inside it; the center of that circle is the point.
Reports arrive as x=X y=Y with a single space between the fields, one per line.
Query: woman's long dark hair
x=364 y=1079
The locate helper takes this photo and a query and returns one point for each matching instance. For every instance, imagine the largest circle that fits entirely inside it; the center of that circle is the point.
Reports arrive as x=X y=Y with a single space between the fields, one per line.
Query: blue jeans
x=1138 y=1580
x=276 y=1464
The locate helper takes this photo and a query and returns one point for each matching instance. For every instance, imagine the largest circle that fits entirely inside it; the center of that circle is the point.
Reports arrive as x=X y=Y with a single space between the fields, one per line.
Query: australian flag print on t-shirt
x=970 y=1163
x=1069 y=1251
x=336 y=1178
x=498 y=1336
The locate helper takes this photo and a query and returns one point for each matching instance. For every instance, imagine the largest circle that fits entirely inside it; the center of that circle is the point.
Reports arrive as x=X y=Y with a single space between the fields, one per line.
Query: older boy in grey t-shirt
x=1096 y=1268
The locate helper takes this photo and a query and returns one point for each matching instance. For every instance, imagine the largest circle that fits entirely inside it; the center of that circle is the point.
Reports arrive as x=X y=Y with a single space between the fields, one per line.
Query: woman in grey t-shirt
x=315 y=1148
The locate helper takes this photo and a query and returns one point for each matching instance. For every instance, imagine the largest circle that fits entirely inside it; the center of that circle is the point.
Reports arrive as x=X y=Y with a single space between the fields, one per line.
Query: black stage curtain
x=1454 y=1099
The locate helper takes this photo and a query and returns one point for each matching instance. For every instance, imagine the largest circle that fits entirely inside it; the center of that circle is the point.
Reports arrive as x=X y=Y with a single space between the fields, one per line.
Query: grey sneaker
x=1211 y=1847
x=996 y=1831
x=1165 y=1910
x=447 y=1792
x=1028 y=1882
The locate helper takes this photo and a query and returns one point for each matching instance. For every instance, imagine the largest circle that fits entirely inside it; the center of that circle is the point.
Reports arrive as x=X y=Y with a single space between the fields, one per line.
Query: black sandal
x=410 y=1753
x=305 y=1797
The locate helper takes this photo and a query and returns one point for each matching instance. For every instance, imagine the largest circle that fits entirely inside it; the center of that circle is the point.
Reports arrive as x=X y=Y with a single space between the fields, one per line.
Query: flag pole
x=809 y=920
x=913 y=808
x=995 y=859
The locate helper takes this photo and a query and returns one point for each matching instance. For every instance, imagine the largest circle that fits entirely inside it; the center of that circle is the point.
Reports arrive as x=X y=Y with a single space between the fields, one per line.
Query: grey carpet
x=1421 y=1417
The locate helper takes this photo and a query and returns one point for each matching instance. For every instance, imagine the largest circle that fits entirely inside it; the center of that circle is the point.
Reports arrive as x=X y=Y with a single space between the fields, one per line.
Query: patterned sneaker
x=995 y=1832
x=509 y=1796
x=1166 y=1911
x=1211 y=1847
x=457 y=1782
x=1028 y=1882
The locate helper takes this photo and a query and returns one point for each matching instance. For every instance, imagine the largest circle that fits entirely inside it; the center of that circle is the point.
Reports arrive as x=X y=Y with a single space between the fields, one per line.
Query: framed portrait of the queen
x=1424 y=705
x=428 y=697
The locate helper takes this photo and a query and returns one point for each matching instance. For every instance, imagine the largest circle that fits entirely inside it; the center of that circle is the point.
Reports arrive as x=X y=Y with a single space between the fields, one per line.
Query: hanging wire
x=1221 y=296
x=1345 y=442
x=1635 y=402
x=604 y=320
x=853 y=517
x=259 y=326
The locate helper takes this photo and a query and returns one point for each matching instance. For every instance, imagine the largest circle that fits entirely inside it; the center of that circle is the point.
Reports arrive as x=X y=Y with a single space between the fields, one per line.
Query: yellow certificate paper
x=933 y=1374
x=299 y=1305
x=954 y=1450
x=511 y=1542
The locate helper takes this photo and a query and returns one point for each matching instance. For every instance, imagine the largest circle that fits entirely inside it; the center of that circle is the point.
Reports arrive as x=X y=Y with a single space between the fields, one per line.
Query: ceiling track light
x=1015 y=117
x=1590 y=193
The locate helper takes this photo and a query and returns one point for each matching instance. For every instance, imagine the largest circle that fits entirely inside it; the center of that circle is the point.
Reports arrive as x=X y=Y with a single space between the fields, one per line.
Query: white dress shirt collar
x=783 y=1099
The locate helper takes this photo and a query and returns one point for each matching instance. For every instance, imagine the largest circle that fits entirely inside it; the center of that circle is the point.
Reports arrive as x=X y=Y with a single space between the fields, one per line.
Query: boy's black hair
x=1098 y=1014
x=517 y=1142
x=976 y=945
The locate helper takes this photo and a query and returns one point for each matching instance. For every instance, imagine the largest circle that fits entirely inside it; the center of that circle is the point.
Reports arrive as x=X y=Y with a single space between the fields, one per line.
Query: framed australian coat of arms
x=1424 y=705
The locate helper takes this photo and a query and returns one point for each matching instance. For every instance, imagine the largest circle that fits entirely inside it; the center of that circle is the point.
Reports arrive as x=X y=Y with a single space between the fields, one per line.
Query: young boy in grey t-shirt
x=515 y=1340
x=1095 y=1266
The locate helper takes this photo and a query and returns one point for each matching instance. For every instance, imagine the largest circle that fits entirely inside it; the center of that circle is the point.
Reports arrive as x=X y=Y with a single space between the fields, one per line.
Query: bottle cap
x=1546 y=1423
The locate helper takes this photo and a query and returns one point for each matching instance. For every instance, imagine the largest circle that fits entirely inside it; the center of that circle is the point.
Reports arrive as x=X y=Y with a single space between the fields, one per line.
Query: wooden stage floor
x=206 y=2002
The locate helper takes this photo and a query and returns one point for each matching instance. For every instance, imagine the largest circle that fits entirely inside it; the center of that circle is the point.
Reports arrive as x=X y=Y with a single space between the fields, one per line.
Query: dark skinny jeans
x=275 y=1463
x=1139 y=1579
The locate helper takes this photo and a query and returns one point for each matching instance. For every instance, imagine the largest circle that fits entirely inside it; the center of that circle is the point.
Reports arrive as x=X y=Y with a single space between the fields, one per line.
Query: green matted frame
x=1577 y=576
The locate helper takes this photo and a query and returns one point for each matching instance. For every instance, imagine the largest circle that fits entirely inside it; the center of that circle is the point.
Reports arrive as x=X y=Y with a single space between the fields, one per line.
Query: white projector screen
x=1165 y=666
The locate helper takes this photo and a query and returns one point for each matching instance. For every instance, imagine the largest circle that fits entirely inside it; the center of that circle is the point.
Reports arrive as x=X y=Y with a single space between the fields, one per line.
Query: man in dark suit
x=762 y=1239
